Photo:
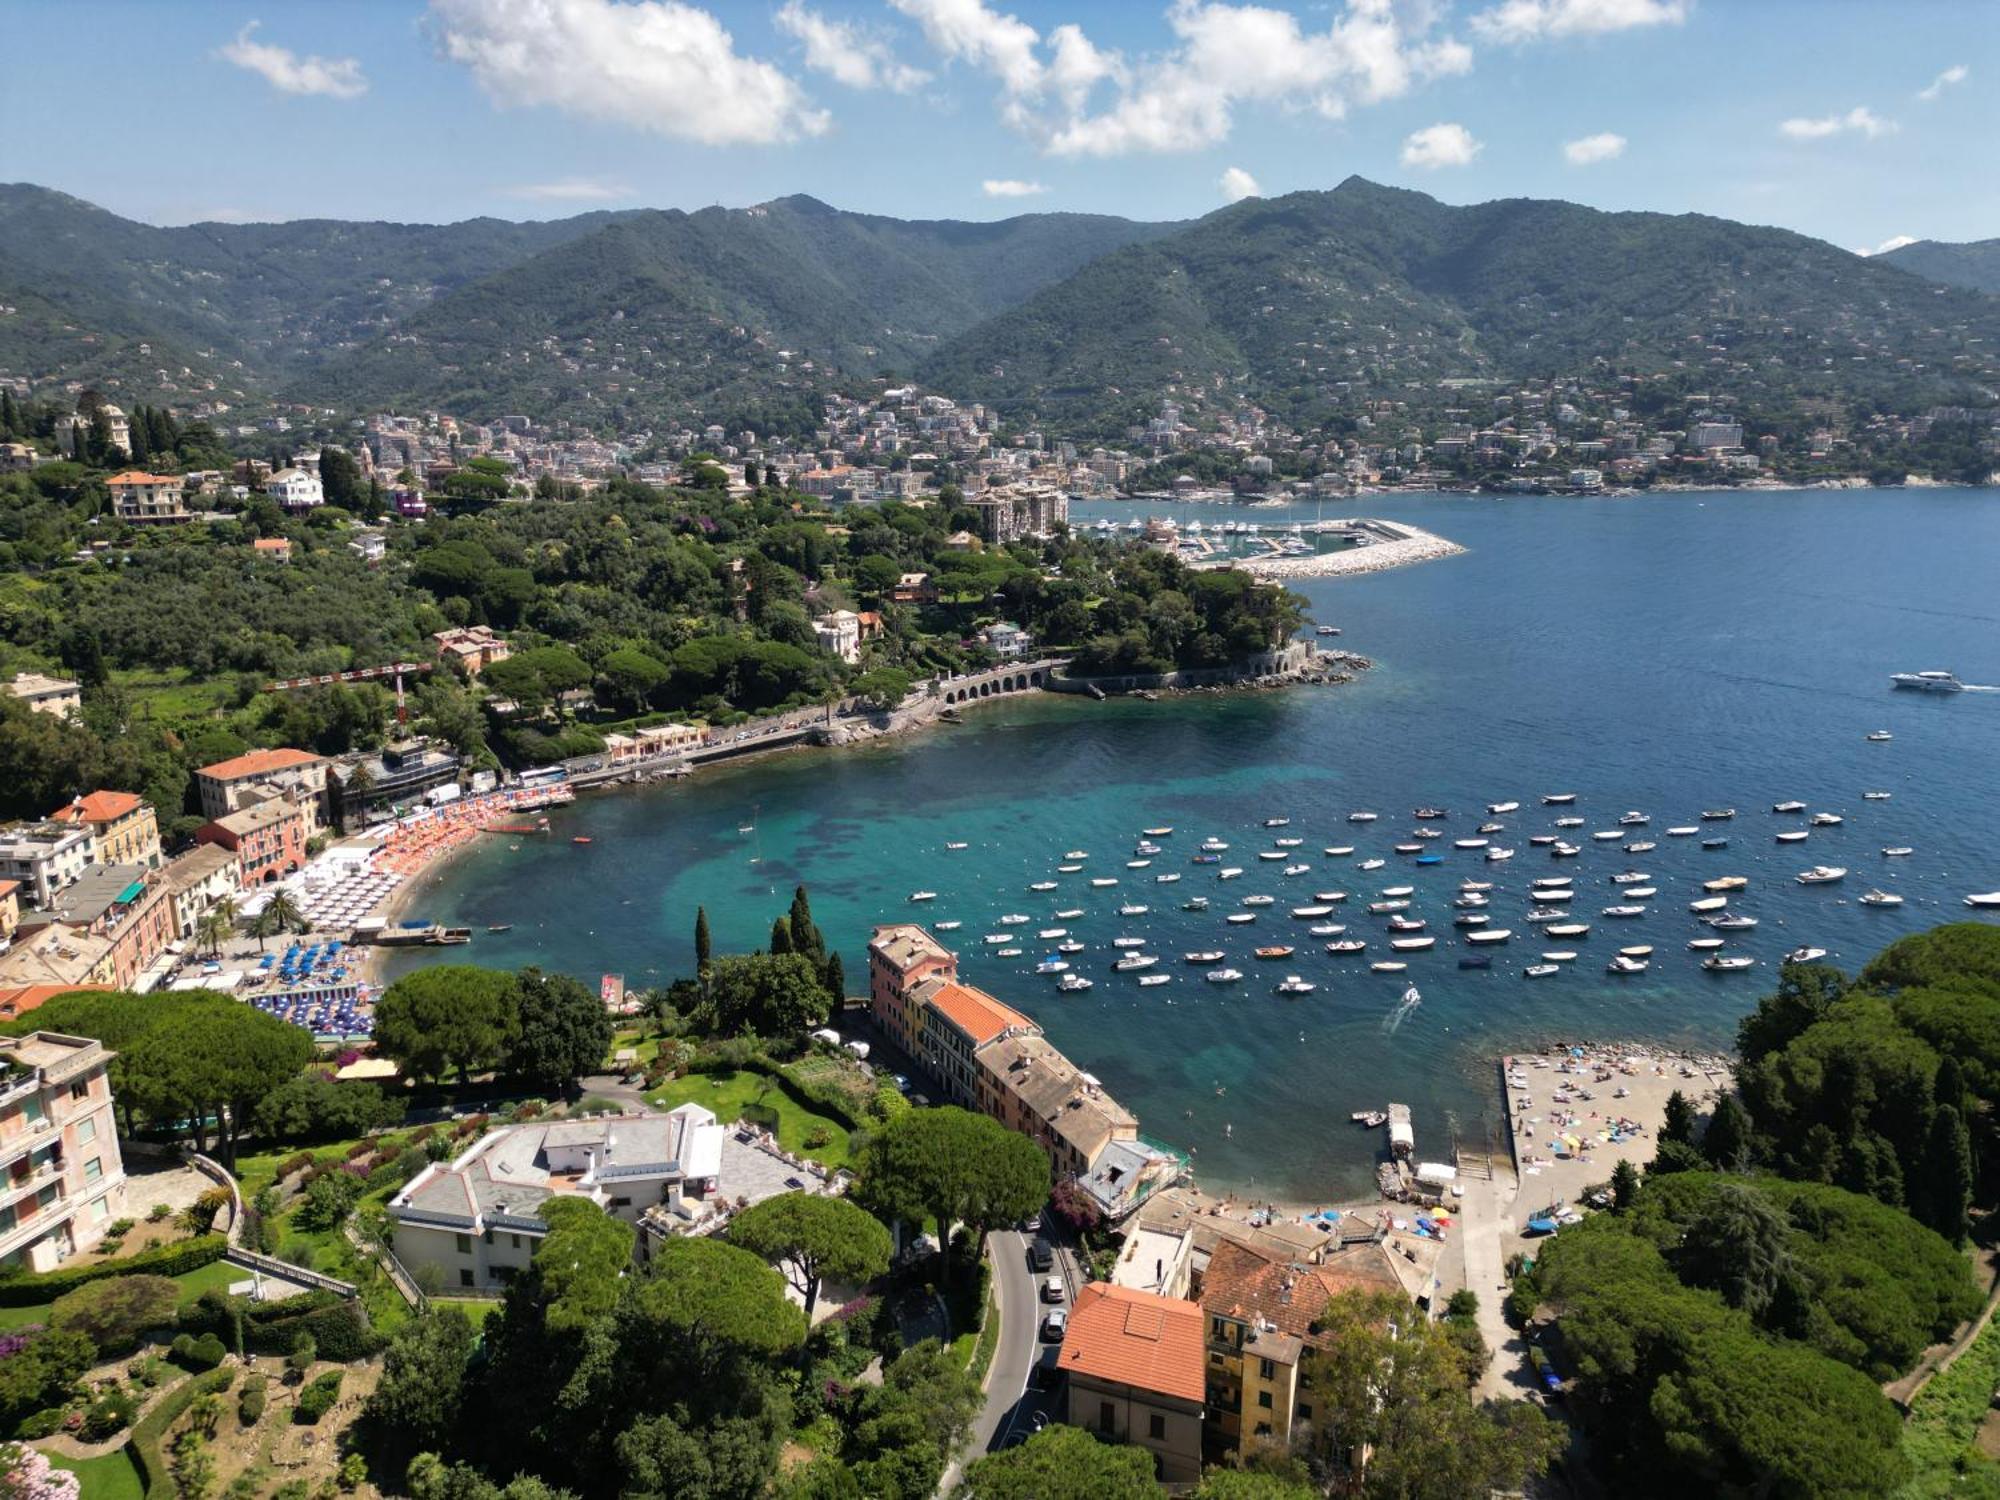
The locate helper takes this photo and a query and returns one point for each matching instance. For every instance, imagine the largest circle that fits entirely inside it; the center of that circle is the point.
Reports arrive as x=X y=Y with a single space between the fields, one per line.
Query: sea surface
x=1665 y=655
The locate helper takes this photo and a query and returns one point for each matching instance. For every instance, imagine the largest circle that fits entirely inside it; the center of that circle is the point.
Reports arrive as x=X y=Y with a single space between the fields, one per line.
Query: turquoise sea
x=1664 y=655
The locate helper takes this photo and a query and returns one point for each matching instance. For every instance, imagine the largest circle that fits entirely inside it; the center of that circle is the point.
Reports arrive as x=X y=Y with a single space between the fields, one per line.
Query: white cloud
x=1184 y=98
x=656 y=65
x=287 y=72
x=1010 y=187
x=1592 y=149
x=1441 y=146
x=1533 y=20
x=570 y=190
x=1894 y=242
x=1237 y=184
x=1956 y=73
x=844 y=52
x=1861 y=120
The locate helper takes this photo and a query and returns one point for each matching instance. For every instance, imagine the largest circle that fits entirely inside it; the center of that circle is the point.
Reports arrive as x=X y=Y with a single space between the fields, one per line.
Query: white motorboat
x=1138 y=864
x=1643 y=846
x=1050 y=934
x=1241 y=918
x=1213 y=846
x=1569 y=822
x=1166 y=879
x=1540 y=971
x=1067 y=869
x=1542 y=881
x=951 y=926
x=1361 y=817
x=1259 y=900
x=1565 y=851
x=1788 y=807
x=1069 y=946
x=1556 y=893
x=1373 y=864
x=1630 y=877
x=1639 y=892
x=1381 y=908
x=1805 y=955
x=1388 y=966
x=1043 y=885
x=1157 y=833
x=1635 y=820
x=1794 y=836
x=1052 y=966
x=1338 y=851
x=1270 y=854
x=1541 y=840
x=1684 y=831
x=956 y=846
x=1607 y=835
x=1497 y=808
x=1071 y=983
x=1726 y=883
x=1303 y=913
x=1412 y=944
x=1826 y=820
x=1229 y=872
x=1898 y=851
x=994 y=938
x=1559 y=956
x=1346 y=945
x=1876 y=796
x=1195 y=903
x=1477 y=919
x=1406 y=924
x=1133 y=909
x=1134 y=961
x=1543 y=914
x=1393 y=891
x=923 y=895
x=1881 y=898
x=1327 y=929
x=1470 y=899
x=1927 y=682
x=1223 y=976
x=1202 y=959
x=1409 y=848
x=1567 y=930
x=1076 y=854
x=1288 y=843
x=1821 y=875
x=1292 y=984
x=1469 y=843
x=1128 y=942
x=1069 y=914
x=1488 y=935
x=1101 y=881
x=1638 y=950
x=1150 y=980
x=1473 y=886
x=1984 y=900
x=1015 y=919
x=1620 y=964
x=1708 y=903
x=1277 y=822
x=1717 y=814
x=1727 y=963
x=1704 y=945
x=1732 y=921
x=1558 y=799
x=1330 y=897
x=1295 y=870
x=1624 y=911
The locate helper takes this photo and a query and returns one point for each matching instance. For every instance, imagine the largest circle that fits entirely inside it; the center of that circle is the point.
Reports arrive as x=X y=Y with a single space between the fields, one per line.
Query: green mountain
x=1975 y=264
x=671 y=318
x=244 y=306
x=1304 y=301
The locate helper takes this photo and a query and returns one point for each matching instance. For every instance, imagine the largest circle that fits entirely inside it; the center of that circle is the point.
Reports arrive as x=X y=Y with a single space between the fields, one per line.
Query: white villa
x=475 y=1219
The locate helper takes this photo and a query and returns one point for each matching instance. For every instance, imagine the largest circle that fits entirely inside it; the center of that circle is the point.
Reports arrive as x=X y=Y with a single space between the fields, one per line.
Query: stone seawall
x=1402 y=546
x=1299 y=661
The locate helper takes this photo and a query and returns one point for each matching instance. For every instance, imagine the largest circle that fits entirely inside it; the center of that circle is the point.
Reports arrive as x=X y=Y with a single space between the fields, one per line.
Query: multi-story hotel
x=61 y=1177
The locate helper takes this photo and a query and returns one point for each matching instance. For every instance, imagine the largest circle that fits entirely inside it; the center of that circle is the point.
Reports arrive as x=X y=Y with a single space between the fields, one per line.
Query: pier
x=1375 y=546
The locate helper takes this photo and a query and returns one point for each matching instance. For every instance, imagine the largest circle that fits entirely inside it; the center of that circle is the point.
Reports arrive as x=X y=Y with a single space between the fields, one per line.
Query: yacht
x=1071 y=983
x=1805 y=955
x=1928 y=682
x=1426 y=833
x=1292 y=984
x=1881 y=898
x=1727 y=963
x=1898 y=851
x=1822 y=875
x=1497 y=808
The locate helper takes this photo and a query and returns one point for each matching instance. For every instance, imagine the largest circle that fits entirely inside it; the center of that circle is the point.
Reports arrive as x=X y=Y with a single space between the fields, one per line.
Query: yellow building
x=123 y=828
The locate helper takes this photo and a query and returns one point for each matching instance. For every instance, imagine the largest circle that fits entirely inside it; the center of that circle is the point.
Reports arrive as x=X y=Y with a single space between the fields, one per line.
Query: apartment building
x=1134 y=1362
x=268 y=839
x=230 y=785
x=124 y=830
x=47 y=695
x=62 y=1179
x=44 y=858
x=141 y=497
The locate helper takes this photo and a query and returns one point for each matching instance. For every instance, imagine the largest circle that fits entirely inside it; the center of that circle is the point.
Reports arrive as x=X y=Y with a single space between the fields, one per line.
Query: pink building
x=62 y=1180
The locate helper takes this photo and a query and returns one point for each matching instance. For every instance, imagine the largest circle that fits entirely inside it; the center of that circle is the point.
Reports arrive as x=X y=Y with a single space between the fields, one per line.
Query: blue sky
x=1858 y=122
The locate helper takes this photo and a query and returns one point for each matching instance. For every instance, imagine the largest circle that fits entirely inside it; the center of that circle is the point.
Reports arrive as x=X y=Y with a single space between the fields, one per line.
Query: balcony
x=32 y=1221
x=13 y=1185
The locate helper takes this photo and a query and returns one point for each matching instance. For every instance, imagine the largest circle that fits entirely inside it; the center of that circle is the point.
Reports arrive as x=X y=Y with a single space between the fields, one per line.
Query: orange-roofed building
x=139 y=496
x=18 y=1000
x=123 y=827
x=1134 y=1362
x=953 y=1022
x=902 y=956
x=231 y=785
x=277 y=548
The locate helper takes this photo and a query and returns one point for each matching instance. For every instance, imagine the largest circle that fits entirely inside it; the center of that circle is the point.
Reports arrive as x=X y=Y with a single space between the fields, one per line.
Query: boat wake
x=1393 y=1022
x=1981 y=687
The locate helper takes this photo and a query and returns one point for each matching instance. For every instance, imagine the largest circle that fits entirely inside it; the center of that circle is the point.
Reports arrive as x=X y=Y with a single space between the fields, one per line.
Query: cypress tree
x=1678 y=1124
x=160 y=430
x=141 y=440
x=1624 y=1185
x=806 y=937
x=834 y=977
x=702 y=951
x=1727 y=1140
x=781 y=936
x=10 y=417
x=1948 y=1168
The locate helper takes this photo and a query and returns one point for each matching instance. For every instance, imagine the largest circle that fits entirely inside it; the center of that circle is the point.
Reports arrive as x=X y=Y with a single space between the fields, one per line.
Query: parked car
x=1053 y=1289
x=1032 y=1224
x=1040 y=1256
x=1055 y=1325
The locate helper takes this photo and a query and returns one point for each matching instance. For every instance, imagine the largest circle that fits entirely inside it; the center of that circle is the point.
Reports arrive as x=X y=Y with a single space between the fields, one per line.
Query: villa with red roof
x=1134 y=1362
x=231 y=785
x=123 y=827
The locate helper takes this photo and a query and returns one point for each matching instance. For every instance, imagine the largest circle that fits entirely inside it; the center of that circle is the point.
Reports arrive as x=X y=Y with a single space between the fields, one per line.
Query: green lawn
x=476 y=1308
x=110 y=1476
x=192 y=1284
x=755 y=1097
x=174 y=694
x=1944 y=1420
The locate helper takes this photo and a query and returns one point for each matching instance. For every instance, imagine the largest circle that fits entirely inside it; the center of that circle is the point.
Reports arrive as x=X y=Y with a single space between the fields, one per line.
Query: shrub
x=151 y=1428
x=119 y=1228
x=817 y=1137
x=198 y=1354
x=250 y=1404
x=107 y=1414
x=317 y=1399
x=328 y=1202
x=112 y=1313
x=162 y=1260
x=298 y=1161
x=41 y=1424
x=300 y=1360
x=157 y=1212
x=353 y=1469
x=199 y=1216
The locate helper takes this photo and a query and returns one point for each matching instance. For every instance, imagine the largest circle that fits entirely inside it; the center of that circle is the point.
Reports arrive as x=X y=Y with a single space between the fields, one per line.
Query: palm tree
x=262 y=926
x=283 y=910
x=209 y=930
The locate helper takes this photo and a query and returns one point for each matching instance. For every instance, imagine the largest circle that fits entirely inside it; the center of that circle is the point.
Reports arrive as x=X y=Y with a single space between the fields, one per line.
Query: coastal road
x=1020 y=1339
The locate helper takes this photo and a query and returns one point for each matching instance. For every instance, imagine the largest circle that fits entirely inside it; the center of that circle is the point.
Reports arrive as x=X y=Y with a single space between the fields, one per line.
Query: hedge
x=338 y=1325
x=147 y=1432
x=162 y=1260
x=317 y=1399
x=818 y=1101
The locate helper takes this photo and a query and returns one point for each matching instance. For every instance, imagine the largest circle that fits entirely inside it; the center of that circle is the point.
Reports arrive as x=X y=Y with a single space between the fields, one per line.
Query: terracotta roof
x=975 y=1012
x=1260 y=1289
x=22 y=998
x=272 y=544
x=1138 y=1339
x=258 y=763
x=140 y=476
x=98 y=807
x=903 y=944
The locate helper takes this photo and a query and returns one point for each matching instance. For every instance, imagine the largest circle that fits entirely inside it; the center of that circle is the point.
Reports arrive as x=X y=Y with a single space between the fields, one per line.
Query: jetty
x=1374 y=546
